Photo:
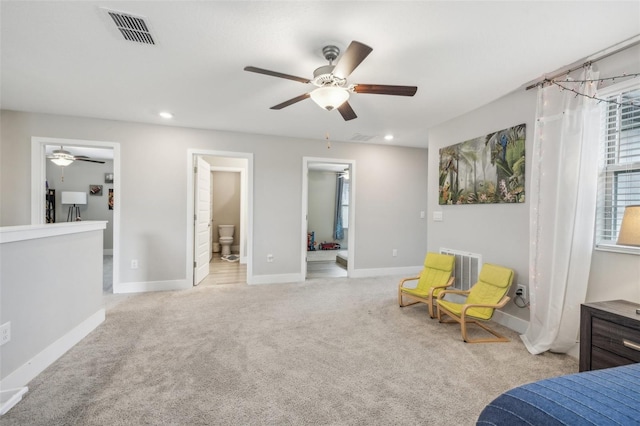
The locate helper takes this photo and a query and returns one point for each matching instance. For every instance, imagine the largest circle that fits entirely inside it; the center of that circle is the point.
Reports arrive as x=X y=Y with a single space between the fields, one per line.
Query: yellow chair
x=436 y=276
x=487 y=295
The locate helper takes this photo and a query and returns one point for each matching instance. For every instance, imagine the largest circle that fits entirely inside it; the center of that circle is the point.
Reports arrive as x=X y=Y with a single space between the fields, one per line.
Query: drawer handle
x=630 y=344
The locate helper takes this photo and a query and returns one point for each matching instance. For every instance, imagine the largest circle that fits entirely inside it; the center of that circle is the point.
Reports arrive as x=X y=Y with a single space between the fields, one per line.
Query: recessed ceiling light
x=388 y=138
x=165 y=114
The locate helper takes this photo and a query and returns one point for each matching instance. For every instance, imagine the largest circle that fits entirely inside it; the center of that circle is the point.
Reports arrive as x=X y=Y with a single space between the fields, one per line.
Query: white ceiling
x=67 y=58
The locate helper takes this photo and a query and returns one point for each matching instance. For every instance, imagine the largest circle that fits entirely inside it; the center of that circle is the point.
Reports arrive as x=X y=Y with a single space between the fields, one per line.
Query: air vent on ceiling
x=361 y=138
x=131 y=27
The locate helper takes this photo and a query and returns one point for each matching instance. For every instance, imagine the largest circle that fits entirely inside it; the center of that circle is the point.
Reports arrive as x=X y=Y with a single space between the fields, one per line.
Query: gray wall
x=154 y=182
x=501 y=232
x=77 y=177
x=49 y=286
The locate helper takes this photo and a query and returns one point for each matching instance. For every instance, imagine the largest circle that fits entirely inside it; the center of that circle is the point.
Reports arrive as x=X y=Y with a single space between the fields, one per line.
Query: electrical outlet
x=521 y=290
x=394 y=253
x=5 y=333
x=269 y=258
x=134 y=264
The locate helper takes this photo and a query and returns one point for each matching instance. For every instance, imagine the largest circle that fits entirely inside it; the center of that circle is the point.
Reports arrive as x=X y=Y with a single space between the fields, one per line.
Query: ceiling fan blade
x=291 y=101
x=347 y=112
x=381 y=89
x=276 y=74
x=352 y=57
x=87 y=159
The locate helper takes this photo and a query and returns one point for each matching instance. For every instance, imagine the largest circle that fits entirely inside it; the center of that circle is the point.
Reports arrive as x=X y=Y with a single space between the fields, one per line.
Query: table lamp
x=630 y=229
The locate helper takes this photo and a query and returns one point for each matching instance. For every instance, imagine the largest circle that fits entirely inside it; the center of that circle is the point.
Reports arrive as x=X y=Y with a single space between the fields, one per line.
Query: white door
x=203 y=220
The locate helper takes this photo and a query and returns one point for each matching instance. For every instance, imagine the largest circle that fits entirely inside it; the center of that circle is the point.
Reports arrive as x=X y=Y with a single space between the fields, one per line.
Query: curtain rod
x=616 y=48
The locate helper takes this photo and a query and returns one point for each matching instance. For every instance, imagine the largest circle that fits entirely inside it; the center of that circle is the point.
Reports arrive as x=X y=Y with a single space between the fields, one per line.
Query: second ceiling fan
x=332 y=89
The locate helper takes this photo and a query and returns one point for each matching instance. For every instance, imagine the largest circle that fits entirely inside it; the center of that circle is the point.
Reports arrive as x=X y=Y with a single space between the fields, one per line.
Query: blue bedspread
x=600 y=397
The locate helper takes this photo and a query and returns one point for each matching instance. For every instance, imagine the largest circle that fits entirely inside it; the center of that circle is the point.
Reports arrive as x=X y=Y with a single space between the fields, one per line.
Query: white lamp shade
x=630 y=229
x=62 y=162
x=62 y=158
x=329 y=97
x=74 y=197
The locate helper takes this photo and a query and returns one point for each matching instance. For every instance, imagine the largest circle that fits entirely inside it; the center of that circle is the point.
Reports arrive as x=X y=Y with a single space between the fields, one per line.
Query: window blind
x=619 y=171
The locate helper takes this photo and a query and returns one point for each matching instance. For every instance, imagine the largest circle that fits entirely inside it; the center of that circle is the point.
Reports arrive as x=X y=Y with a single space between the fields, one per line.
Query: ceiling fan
x=63 y=158
x=332 y=89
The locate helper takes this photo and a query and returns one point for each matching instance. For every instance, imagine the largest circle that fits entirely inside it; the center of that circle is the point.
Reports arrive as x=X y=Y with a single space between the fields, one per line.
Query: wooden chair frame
x=429 y=300
x=463 y=319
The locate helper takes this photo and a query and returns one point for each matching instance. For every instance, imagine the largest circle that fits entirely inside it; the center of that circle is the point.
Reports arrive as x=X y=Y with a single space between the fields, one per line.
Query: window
x=619 y=169
x=344 y=203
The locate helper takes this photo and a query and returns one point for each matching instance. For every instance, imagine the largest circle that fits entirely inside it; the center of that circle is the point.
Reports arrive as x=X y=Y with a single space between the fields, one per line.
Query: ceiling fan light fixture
x=62 y=158
x=62 y=162
x=329 y=97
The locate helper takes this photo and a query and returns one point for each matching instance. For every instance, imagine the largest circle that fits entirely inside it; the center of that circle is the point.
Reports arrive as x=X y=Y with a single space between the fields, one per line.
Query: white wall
x=500 y=232
x=391 y=191
x=77 y=177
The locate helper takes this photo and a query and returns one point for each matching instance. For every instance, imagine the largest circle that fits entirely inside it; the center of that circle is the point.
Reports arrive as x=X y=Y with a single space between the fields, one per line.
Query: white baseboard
x=514 y=323
x=145 y=286
x=10 y=397
x=276 y=279
x=409 y=271
x=29 y=370
x=356 y=273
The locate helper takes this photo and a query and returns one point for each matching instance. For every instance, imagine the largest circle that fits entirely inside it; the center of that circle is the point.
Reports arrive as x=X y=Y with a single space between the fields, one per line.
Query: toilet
x=226 y=238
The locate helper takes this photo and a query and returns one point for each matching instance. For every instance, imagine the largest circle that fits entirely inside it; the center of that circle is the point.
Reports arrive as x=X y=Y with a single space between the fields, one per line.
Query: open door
x=316 y=216
x=202 y=220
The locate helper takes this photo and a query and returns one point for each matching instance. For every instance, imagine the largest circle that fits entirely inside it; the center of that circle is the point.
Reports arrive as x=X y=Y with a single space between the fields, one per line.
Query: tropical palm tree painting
x=487 y=169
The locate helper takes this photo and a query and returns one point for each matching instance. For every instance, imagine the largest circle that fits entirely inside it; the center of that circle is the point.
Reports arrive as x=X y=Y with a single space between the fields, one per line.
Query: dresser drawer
x=605 y=359
x=609 y=334
x=616 y=338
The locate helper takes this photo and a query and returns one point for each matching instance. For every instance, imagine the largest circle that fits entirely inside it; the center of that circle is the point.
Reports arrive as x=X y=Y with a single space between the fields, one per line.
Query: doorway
x=92 y=153
x=203 y=264
x=328 y=212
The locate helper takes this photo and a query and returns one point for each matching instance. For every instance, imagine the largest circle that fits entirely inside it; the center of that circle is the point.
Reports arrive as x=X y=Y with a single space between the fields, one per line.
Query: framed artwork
x=484 y=170
x=110 y=199
x=95 y=189
x=108 y=178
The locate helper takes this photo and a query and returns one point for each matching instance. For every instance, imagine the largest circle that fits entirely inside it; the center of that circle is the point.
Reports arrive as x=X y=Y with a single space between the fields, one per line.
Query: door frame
x=39 y=176
x=351 y=231
x=246 y=200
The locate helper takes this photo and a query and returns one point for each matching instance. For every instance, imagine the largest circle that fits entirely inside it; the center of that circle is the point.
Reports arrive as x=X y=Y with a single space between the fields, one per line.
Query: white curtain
x=562 y=212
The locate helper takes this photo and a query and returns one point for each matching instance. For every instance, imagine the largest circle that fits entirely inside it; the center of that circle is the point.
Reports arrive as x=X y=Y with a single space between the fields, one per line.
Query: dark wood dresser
x=609 y=334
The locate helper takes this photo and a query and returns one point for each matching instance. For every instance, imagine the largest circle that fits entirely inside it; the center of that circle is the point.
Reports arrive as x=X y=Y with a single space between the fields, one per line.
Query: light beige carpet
x=323 y=352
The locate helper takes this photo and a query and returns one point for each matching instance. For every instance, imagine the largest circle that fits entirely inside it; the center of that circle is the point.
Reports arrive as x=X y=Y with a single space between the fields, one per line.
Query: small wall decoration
x=110 y=199
x=487 y=169
x=95 y=189
x=108 y=178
